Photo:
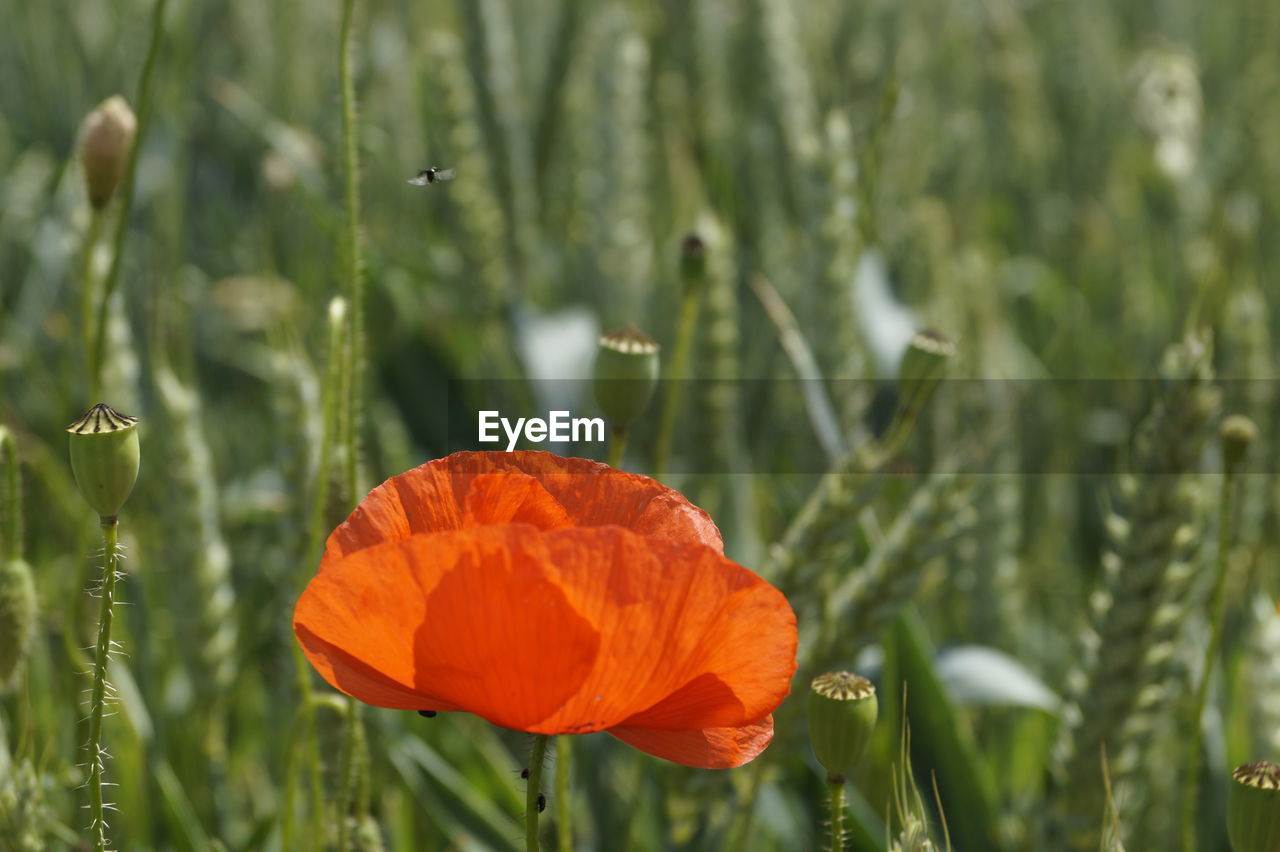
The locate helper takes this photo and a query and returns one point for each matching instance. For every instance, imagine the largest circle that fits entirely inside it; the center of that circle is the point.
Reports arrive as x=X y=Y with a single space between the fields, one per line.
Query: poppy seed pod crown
x=1253 y=808
x=626 y=374
x=105 y=458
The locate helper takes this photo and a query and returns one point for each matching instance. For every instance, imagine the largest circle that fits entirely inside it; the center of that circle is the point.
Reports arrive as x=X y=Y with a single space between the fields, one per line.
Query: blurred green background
x=1067 y=190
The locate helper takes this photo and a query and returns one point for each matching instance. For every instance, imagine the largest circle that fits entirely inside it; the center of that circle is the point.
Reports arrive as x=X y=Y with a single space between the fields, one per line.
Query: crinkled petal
x=709 y=748
x=688 y=638
x=566 y=631
x=512 y=498
x=433 y=498
x=472 y=620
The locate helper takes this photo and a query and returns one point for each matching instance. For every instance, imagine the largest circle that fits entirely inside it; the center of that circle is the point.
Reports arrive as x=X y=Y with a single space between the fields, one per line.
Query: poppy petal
x=433 y=497
x=469 y=620
x=512 y=498
x=567 y=631
x=709 y=748
x=688 y=638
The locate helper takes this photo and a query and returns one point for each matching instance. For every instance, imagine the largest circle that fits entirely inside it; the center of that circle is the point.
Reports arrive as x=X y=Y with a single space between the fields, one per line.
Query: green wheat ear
x=17 y=616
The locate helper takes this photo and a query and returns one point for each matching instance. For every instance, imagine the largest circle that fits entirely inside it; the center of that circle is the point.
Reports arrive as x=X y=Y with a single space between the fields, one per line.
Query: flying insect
x=431 y=175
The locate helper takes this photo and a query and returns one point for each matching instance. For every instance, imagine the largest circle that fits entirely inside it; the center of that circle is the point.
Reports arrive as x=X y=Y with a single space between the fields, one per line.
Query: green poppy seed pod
x=17 y=615
x=626 y=373
x=842 y=716
x=1237 y=432
x=923 y=365
x=1253 y=808
x=104 y=458
x=106 y=140
x=925 y=359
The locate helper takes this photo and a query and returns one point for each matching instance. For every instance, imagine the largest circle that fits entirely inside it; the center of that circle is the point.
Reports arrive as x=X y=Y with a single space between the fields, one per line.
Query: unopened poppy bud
x=1253 y=808
x=842 y=716
x=1237 y=432
x=17 y=615
x=626 y=373
x=104 y=458
x=106 y=139
x=693 y=260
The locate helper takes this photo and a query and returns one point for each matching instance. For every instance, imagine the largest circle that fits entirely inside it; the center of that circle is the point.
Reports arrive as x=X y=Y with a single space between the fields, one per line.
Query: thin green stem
x=1217 y=616
x=617 y=446
x=354 y=276
x=305 y=751
x=736 y=837
x=533 y=794
x=835 y=785
x=88 y=292
x=97 y=348
x=97 y=755
x=351 y=736
x=671 y=392
x=564 y=811
x=11 y=538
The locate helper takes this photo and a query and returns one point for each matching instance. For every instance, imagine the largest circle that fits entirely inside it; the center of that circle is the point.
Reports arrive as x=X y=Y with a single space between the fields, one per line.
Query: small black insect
x=542 y=803
x=524 y=773
x=427 y=714
x=431 y=175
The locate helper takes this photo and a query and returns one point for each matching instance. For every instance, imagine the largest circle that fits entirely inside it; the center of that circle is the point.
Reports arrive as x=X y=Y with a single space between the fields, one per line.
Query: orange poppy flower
x=555 y=596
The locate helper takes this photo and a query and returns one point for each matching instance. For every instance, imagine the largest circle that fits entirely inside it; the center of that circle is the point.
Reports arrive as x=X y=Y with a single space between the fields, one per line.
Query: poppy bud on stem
x=106 y=138
x=842 y=717
x=105 y=459
x=625 y=375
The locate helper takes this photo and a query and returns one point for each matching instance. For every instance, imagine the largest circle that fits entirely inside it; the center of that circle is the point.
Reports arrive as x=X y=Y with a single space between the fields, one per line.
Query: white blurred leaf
x=975 y=674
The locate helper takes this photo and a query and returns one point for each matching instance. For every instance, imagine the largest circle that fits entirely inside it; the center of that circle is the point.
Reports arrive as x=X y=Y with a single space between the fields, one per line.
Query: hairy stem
x=532 y=795
x=97 y=823
x=351 y=737
x=835 y=785
x=564 y=757
x=355 y=282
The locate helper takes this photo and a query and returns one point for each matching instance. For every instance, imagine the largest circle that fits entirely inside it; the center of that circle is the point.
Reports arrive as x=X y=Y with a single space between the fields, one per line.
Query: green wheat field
x=1046 y=549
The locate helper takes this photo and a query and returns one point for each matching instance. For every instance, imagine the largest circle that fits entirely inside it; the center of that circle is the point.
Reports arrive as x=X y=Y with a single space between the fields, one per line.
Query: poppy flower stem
x=564 y=757
x=88 y=312
x=354 y=270
x=347 y=768
x=98 y=699
x=694 y=274
x=618 y=445
x=835 y=784
x=533 y=793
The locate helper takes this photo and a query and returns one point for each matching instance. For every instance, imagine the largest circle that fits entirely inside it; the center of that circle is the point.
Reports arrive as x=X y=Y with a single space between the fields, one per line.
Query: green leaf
x=942 y=745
